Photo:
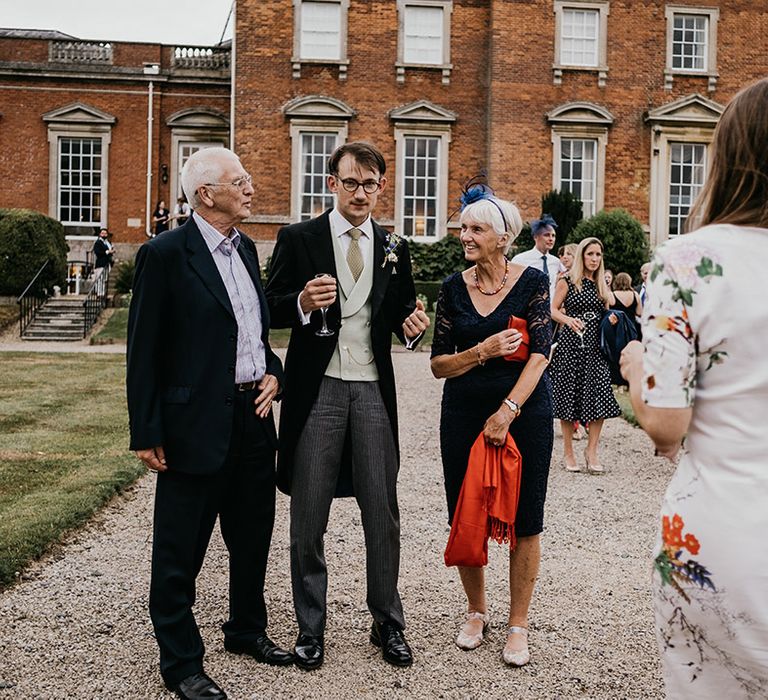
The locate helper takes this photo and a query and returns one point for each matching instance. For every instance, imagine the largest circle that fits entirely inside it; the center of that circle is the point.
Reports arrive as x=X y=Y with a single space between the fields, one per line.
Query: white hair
x=490 y=212
x=204 y=166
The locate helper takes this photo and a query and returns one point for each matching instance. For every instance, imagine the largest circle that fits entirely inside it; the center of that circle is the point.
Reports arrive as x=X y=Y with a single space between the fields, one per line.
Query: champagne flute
x=324 y=330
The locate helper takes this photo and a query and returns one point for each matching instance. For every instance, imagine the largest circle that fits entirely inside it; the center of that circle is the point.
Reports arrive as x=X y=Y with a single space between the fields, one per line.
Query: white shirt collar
x=339 y=225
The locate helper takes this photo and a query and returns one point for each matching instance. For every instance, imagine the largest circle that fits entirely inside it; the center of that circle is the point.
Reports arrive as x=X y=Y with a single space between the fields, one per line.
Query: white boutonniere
x=390 y=249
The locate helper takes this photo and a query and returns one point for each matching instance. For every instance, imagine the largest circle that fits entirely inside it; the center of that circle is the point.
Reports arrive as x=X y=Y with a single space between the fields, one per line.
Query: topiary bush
x=625 y=245
x=27 y=239
x=435 y=261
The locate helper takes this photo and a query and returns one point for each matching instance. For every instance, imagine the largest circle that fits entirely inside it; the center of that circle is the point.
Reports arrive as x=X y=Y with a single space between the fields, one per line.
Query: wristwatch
x=513 y=407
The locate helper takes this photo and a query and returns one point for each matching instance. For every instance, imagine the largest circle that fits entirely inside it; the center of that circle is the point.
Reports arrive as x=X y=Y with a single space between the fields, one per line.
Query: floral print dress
x=705 y=333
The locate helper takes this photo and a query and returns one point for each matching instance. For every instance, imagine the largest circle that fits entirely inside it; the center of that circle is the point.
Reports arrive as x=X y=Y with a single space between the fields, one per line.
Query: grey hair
x=490 y=211
x=202 y=167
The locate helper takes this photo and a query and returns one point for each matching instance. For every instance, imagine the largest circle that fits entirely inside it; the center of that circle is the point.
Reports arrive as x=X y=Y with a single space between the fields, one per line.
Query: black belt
x=248 y=386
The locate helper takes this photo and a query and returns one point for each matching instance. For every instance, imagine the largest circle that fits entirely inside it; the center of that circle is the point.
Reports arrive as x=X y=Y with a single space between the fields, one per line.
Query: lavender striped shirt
x=251 y=360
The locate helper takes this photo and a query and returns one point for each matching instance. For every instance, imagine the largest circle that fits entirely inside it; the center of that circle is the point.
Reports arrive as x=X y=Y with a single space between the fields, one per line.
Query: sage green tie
x=354 y=254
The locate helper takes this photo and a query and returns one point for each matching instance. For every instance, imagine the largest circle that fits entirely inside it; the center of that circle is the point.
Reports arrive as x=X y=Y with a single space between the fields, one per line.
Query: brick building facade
x=616 y=101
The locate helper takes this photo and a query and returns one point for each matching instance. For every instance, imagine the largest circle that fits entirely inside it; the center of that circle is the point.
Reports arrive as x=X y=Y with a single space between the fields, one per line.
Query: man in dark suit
x=339 y=416
x=201 y=381
x=103 y=250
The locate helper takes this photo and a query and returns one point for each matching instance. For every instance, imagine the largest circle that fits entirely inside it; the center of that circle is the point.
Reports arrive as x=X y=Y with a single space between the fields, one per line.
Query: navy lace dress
x=470 y=399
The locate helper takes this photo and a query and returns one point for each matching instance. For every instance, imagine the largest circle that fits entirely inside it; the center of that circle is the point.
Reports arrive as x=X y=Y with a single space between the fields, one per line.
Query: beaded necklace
x=499 y=288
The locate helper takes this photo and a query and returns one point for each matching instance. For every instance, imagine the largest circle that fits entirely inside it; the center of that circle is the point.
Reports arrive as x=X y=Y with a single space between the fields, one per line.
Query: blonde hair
x=736 y=189
x=490 y=211
x=577 y=275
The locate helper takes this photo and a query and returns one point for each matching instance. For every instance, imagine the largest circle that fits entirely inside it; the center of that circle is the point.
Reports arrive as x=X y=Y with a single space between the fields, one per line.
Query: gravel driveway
x=77 y=625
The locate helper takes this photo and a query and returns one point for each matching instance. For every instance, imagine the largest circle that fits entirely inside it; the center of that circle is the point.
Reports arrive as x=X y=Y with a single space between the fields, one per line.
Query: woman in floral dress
x=703 y=372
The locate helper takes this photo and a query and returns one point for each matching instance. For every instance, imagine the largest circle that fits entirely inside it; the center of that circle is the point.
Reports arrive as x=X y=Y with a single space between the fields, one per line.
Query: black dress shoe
x=199 y=687
x=263 y=649
x=309 y=652
x=392 y=642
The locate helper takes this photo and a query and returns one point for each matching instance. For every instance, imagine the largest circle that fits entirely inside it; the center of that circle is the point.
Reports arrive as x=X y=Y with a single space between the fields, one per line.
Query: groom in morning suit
x=201 y=380
x=338 y=421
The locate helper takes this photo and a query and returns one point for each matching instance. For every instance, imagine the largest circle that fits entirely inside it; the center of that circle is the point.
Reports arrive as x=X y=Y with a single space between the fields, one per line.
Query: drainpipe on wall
x=232 y=64
x=150 y=69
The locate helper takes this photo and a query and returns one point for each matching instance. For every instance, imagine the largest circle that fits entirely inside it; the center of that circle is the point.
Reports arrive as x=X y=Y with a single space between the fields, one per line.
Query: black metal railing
x=96 y=299
x=31 y=299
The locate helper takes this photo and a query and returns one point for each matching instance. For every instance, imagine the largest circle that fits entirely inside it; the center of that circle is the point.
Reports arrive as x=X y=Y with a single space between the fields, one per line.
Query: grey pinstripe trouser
x=357 y=407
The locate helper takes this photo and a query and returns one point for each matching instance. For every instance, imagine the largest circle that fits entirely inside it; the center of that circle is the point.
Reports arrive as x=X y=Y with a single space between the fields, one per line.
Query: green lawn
x=115 y=330
x=63 y=448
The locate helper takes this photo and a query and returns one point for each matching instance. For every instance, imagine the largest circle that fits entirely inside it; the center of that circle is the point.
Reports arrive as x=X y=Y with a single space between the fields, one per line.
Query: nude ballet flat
x=467 y=641
x=518 y=657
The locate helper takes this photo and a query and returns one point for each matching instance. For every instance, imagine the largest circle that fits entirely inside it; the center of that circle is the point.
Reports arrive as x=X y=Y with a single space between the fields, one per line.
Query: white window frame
x=661 y=170
x=299 y=129
x=443 y=133
x=602 y=7
x=589 y=208
x=342 y=62
x=102 y=188
x=710 y=57
x=704 y=167
x=402 y=176
x=78 y=121
x=581 y=121
x=402 y=65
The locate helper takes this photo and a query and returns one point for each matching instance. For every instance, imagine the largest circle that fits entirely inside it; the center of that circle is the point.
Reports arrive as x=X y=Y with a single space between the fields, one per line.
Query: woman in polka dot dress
x=581 y=380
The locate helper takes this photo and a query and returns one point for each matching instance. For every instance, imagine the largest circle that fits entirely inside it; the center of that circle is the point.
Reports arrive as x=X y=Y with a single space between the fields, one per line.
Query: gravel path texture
x=76 y=625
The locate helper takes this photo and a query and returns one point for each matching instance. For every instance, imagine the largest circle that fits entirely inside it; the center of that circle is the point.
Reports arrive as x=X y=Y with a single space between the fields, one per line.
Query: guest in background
x=641 y=290
x=566 y=254
x=702 y=375
x=609 y=277
x=540 y=257
x=484 y=393
x=160 y=217
x=581 y=378
x=103 y=250
x=626 y=299
x=181 y=212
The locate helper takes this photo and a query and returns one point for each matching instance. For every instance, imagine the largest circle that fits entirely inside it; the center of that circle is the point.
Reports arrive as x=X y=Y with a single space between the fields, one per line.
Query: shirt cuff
x=304 y=318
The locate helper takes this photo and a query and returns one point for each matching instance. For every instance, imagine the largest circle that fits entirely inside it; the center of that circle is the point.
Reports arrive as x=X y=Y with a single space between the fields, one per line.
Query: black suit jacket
x=302 y=251
x=100 y=250
x=182 y=349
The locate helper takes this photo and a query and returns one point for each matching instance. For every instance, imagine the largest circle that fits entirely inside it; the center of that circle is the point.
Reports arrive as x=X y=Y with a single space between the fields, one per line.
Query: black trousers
x=242 y=495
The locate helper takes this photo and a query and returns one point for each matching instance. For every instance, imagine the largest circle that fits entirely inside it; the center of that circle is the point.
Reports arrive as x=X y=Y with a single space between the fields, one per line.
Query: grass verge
x=9 y=314
x=114 y=330
x=63 y=448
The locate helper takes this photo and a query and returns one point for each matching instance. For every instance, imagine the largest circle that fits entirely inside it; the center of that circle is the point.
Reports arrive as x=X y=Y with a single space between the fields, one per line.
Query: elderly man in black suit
x=201 y=382
x=339 y=417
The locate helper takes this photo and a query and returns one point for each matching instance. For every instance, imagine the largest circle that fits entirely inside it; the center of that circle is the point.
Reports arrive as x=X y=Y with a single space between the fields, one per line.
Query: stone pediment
x=580 y=113
x=79 y=113
x=422 y=111
x=692 y=110
x=199 y=117
x=317 y=107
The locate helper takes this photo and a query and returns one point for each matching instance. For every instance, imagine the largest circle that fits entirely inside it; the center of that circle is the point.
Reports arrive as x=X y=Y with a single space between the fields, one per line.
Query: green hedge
x=429 y=290
x=123 y=273
x=565 y=208
x=624 y=241
x=27 y=240
x=435 y=261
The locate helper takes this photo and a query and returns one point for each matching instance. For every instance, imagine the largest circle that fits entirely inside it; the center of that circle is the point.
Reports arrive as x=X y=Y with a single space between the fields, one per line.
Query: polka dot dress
x=581 y=380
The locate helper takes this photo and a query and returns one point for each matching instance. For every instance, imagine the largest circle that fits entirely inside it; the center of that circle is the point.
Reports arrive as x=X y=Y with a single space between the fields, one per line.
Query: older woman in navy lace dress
x=484 y=393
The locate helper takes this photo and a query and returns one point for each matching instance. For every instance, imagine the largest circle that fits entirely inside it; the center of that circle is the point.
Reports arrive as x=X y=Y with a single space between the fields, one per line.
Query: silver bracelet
x=512 y=405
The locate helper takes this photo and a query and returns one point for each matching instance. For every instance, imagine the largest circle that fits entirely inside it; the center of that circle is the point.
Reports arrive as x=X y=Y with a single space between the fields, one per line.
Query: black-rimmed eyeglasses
x=241 y=183
x=351 y=185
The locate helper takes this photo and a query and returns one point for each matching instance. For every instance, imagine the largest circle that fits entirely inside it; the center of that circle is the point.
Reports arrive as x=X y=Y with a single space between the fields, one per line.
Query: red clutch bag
x=523 y=351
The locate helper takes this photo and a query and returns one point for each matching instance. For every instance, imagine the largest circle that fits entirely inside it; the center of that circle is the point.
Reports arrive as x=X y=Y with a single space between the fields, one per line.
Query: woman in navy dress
x=484 y=393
